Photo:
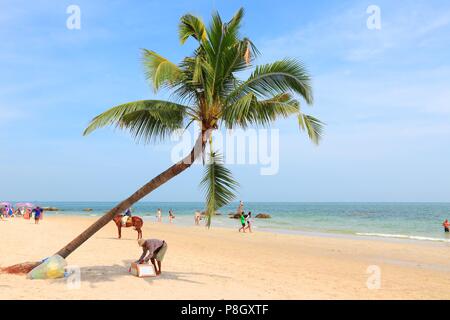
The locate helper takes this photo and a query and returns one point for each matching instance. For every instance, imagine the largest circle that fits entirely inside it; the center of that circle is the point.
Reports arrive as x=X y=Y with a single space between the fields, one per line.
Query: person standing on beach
x=446 y=225
x=240 y=208
x=159 y=215
x=248 y=219
x=11 y=212
x=197 y=217
x=242 y=217
x=37 y=214
x=171 y=216
x=5 y=212
x=28 y=213
x=156 y=250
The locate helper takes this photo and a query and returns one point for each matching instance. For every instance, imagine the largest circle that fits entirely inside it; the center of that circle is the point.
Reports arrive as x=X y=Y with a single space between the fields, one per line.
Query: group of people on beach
x=154 y=250
x=8 y=212
x=159 y=215
x=127 y=215
x=26 y=212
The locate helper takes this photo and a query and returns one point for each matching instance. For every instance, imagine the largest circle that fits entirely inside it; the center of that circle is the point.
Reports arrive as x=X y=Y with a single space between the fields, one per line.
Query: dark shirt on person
x=150 y=246
x=37 y=212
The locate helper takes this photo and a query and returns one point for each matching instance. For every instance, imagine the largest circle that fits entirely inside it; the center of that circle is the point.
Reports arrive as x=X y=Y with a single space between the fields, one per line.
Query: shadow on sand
x=92 y=275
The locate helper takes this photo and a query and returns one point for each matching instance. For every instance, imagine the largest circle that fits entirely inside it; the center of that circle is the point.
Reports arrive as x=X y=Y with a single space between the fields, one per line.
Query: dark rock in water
x=235 y=216
x=204 y=213
x=263 y=216
x=50 y=209
x=87 y=209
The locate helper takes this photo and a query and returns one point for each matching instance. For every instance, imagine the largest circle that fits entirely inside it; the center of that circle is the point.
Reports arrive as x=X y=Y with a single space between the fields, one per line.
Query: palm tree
x=207 y=91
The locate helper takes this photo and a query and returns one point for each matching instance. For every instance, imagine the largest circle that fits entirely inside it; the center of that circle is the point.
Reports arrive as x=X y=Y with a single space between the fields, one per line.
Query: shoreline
x=376 y=236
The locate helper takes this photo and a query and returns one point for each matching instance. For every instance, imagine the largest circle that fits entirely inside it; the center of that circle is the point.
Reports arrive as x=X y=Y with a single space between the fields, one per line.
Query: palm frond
x=312 y=125
x=219 y=51
x=159 y=70
x=144 y=119
x=191 y=26
x=235 y=22
x=250 y=111
x=276 y=78
x=218 y=185
x=251 y=52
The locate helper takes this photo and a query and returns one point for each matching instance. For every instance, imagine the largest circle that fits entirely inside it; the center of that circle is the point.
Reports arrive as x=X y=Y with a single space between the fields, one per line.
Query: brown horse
x=135 y=222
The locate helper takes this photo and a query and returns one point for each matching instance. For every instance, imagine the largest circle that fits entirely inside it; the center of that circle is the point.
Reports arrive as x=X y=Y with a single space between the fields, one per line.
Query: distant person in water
x=248 y=219
x=446 y=225
x=242 y=218
x=171 y=216
x=156 y=249
x=37 y=214
x=159 y=215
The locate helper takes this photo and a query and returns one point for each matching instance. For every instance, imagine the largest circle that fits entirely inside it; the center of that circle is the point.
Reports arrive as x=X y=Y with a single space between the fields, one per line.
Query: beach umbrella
x=5 y=204
x=24 y=204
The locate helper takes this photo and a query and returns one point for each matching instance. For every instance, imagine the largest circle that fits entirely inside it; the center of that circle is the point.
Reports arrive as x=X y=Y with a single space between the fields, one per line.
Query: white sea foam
x=402 y=236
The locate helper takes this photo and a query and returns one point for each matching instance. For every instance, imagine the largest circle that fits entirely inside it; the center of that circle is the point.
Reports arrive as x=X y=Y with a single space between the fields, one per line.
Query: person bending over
x=152 y=249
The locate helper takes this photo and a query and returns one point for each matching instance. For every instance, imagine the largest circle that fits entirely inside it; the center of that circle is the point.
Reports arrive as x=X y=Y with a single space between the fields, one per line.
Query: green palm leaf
x=218 y=185
x=312 y=125
x=276 y=78
x=159 y=70
x=144 y=119
x=250 y=111
x=191 y=26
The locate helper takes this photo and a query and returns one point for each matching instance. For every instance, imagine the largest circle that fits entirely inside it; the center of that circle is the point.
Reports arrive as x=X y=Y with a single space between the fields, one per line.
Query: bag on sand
x=51 y=268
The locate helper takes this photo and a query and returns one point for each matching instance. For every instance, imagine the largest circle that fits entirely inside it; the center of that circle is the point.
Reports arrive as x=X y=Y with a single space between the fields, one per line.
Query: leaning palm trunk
x=156 y=182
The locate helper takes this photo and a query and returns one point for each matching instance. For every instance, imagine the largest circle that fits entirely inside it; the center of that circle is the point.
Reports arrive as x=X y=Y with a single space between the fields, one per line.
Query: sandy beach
x=223 y=264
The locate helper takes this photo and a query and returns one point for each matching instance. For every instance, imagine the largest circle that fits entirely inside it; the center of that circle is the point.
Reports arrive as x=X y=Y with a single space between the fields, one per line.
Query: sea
x=412 y=221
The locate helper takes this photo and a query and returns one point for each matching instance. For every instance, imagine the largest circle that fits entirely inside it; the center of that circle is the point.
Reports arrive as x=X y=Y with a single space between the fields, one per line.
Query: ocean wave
x=402 y=236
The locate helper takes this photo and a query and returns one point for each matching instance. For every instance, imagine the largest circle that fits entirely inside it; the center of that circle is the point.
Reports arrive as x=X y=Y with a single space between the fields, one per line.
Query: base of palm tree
x=20 y=268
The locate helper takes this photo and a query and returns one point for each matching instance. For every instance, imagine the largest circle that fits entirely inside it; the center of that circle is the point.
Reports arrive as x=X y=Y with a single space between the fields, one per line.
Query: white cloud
x=361 y=74
x=344 y=35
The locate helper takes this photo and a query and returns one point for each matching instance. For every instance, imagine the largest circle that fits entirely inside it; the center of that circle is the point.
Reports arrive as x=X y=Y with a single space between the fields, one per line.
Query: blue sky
x=384 y=95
